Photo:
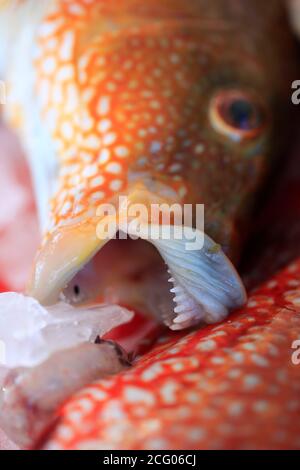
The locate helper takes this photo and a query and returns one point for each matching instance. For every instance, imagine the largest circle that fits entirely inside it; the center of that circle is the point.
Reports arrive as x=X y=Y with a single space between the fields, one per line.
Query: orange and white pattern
x=233 y=385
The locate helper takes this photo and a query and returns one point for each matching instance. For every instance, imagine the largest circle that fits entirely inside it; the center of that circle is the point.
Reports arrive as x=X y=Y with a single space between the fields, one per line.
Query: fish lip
x=65 y=251
x=209 y=291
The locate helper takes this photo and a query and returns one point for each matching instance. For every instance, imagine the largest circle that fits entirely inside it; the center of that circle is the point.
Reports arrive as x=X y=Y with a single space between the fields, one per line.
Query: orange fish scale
x=108 y=105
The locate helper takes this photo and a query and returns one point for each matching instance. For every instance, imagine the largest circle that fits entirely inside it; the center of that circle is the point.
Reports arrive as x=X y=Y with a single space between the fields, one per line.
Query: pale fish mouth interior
x=162 y=279
x=126 y=272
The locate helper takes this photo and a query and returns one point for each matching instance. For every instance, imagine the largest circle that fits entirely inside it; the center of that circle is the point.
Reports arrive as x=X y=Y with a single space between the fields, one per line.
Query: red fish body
x=168 y=102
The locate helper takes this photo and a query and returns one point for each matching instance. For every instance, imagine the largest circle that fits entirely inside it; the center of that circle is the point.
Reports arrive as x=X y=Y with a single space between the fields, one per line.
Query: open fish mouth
x=156 y=275
x=136 y=273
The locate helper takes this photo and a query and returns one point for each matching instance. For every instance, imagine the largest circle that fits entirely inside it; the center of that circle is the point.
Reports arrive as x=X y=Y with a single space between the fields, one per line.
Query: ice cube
x=31 y=333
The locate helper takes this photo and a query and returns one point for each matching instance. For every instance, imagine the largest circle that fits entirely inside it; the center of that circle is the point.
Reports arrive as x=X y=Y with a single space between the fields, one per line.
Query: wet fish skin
x=225 y=173
x=148 y=101
x=222 y=223
x=179 y=65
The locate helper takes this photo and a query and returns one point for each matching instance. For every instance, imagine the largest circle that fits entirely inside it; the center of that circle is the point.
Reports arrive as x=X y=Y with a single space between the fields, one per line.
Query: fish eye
x=237 y=114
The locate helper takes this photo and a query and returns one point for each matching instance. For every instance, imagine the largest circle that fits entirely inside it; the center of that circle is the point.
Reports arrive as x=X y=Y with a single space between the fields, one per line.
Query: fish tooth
x=179 y=309
x=181 y=298
x=176 y=327
x=175 y=290
x=183 y=317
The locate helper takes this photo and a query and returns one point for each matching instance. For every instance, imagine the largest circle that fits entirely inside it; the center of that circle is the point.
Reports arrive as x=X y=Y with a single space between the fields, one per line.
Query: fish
x=230 y=386
x=136 y=104
x=160 y=103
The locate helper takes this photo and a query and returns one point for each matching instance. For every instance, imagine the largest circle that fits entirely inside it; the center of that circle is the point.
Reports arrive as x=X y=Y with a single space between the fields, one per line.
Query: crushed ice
x=30 y=333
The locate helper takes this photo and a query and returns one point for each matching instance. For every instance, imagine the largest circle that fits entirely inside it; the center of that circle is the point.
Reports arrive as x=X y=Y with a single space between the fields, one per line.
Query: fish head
x=169 y=112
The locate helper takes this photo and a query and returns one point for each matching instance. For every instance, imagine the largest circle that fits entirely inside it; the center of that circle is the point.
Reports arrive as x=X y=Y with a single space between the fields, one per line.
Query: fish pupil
x=243 y=115
x=76 y=290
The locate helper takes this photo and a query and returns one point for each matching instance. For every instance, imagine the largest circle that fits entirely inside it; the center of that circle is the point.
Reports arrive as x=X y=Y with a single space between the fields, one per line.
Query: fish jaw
x=204 y=288
x=60 y=258
x=205 y=284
